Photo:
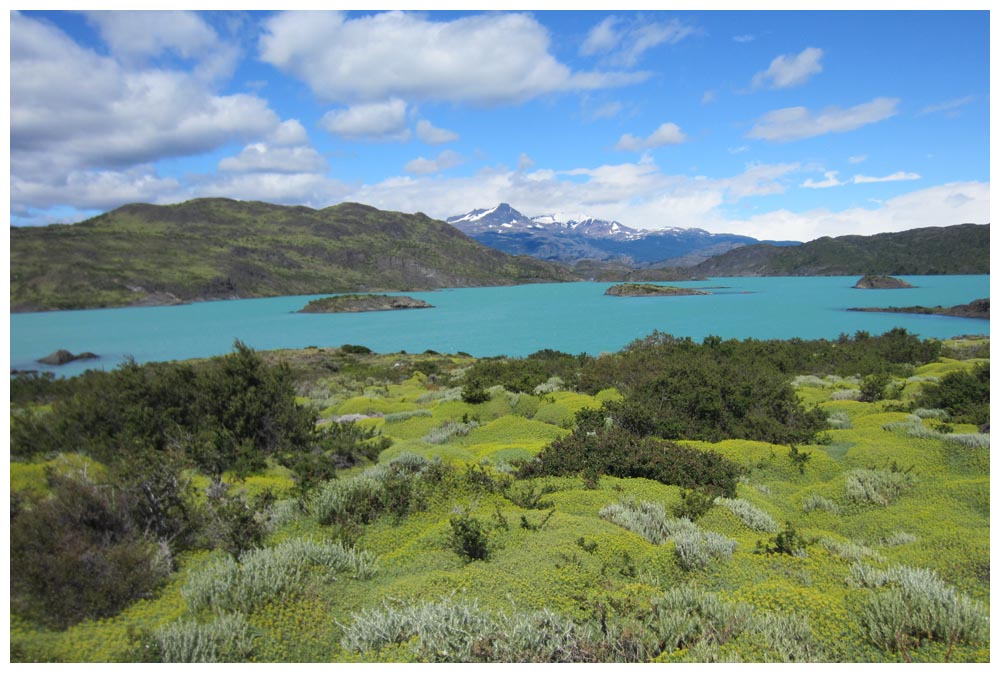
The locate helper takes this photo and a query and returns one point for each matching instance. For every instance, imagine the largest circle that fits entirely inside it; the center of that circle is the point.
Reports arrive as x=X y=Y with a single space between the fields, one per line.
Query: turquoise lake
x=570 y=317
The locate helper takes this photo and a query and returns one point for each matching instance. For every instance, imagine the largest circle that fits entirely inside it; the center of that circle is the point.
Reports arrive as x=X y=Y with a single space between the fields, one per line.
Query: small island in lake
x=650 y=290
x=357 y=303
x=980 y=308
x=873 y=282
x=61 y=357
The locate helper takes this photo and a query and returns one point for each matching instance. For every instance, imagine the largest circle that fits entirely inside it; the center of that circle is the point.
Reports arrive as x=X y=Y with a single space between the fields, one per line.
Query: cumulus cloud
x=625 y=46
x=790 y=70
x=895 y=177
x=796 y=123
x=433 y=135
x=293 y=189
x=524 y=162
x=74 y=110
x=952 y=203
x=829 y=181
x=266 y=158
x=93 y=190
x=444 y=161
x=487 y=59
x=384 y=121
x=667 y=134
x=857 y=159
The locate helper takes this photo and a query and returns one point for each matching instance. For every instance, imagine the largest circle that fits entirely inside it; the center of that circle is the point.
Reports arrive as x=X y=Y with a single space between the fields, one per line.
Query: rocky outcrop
x=881 y=283
x=980 y=308
x=649 y=290
x=357 y=303
x=61 y=357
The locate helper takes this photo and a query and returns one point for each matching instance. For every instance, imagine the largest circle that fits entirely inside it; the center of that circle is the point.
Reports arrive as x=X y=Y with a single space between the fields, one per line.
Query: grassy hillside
x=439 y=552
x=220 y=248
x=959 y=249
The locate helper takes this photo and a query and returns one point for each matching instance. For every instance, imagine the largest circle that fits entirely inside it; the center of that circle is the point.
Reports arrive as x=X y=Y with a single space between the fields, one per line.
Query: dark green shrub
x=475 y=393
x=617 y=453
x=332 y=447
x=964 y=395
x=353 y=349
x=873 y=387
x=529 y=496
x=470 y=537
x=788 y=541
x=693 y=505
x=235 y=523
x=79 y=555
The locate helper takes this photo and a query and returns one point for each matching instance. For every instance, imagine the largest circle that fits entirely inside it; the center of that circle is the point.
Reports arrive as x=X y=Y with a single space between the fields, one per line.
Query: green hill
x=958 y=249
x=220 y=248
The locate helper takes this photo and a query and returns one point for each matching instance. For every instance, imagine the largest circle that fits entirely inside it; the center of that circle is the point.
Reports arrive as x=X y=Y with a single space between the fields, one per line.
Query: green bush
x=470 y=537
x=964 y=395
x=81 y=554
x=693 y=505
x=618 y=453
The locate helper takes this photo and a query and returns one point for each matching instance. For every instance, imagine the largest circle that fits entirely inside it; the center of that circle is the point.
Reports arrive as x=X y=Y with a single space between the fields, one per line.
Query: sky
x=773 y=124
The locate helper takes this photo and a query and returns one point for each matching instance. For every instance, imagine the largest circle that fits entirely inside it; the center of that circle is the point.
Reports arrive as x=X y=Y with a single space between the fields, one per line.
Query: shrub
x=228 y=585
x=970 y=440
x=470 y=537
x=81 y=554
x=898 y=538
x=619 y=453
x=916 y=604
x=875 y=486
x=648 y=519
x=814 y=502
x=848 y=394
x=964 y=395
x=694 y=549
x=448 y=430
x=529 y=496
x=693 y=505
x=353 y=349
x=236 y=524
x=227 y=638
x=397 y=487
x=751 y=515
x=788 y=542
x=839 y=420
x=461 y=632
x=874 y=387
x=939 y=414
x=850 y=551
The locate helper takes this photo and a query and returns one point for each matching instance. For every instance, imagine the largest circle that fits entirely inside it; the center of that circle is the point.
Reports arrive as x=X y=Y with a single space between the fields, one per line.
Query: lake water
x=517 y=321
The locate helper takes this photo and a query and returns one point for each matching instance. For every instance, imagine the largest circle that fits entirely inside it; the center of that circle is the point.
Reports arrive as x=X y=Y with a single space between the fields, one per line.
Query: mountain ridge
x=213 y=248
x=583 y=237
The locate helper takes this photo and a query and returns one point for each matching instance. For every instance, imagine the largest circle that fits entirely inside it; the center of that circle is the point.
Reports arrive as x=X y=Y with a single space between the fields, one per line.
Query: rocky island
x=62 y=356
x=980 y=308
x=873 y=282
x=650 y=290
x=357 y=303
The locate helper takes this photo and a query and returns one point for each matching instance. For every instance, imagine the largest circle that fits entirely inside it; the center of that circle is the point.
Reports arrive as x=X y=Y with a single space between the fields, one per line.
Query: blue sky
x=775 y=124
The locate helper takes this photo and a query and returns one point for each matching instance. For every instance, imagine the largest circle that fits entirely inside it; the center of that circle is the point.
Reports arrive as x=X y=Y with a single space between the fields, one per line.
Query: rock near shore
x=650 y=290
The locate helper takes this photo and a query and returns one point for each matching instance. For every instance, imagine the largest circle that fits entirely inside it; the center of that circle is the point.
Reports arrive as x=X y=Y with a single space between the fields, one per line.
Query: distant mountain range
x=957 y=249
x=570 y=238
x=143 y=254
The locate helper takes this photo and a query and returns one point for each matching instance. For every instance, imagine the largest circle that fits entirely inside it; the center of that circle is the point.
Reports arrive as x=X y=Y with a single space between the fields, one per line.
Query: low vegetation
x=673 y=502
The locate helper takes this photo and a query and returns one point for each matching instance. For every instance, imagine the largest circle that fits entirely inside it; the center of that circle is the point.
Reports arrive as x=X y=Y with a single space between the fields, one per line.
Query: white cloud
x=487 y=59
x=432 y=135
x=790 y=70
x=74 y=110
x=943 y=205
x=947 y=106
x=739 y=150
x=830 y=181
x=444 y=161
x=742 y=39
x=384 y=121
x=895 y=177
x=265 y=158
x=626 y=46
x=796 y=123
x=133 y=36
x=857 y=159
x=602 y=38
x=293 y=189
x=709 y=96
x=667 y=134
x=96 y=190
x=606 y=111
x=524 y=163
x=289 y=133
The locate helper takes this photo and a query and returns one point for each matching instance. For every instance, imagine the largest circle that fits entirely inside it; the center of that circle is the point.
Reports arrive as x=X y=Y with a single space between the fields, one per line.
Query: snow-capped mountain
x=571 y=237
